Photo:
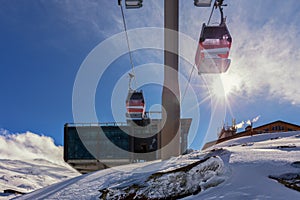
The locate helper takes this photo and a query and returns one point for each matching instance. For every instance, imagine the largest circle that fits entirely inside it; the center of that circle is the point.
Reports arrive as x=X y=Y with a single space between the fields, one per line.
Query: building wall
x=278 y=126
x=140 y=144
x=274 y=127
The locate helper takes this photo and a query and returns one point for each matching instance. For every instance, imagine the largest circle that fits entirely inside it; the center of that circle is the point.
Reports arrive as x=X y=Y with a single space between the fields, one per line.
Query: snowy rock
x=290 y=180
x=176 y=183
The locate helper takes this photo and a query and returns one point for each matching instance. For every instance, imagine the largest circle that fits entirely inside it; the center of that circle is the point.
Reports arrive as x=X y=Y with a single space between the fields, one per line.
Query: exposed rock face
x=290 y=180
x=177 y=183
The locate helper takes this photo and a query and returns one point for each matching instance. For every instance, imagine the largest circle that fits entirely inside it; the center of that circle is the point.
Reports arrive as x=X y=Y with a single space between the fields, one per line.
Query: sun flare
x=225 y=86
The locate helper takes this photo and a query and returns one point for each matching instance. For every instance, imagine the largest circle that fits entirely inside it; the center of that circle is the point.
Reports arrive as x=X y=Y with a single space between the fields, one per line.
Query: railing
x=96 y=124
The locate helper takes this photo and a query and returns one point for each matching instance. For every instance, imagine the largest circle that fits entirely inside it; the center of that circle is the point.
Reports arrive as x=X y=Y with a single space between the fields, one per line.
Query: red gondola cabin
x=213 y=50
x=135 y=105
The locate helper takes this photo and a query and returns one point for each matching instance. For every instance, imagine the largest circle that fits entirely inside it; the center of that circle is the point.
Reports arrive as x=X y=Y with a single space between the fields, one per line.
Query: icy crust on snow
x=172 y=184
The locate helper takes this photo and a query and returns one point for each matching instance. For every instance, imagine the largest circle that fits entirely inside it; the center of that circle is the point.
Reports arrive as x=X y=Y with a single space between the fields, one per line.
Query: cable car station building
x=143 y=146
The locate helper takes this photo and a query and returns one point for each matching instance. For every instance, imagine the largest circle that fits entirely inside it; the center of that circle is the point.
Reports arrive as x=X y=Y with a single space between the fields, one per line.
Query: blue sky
x=44 y=43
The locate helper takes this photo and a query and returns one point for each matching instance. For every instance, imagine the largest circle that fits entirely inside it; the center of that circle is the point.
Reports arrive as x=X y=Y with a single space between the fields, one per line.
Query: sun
x=229 y=83
x=225 y=86
x=224 y=89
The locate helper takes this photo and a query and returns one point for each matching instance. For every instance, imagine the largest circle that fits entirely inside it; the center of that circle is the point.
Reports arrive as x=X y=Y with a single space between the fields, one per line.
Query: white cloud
x=103 y=18
x=29 y=146
x=265 y=51
x=267 y=61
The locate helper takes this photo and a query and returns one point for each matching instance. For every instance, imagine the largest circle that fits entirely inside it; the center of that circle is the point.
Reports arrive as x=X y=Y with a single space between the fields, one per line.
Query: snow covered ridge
x=259 y=167
x=29 y=162
x=171 y=179
x=172 y=184
x=30 y=175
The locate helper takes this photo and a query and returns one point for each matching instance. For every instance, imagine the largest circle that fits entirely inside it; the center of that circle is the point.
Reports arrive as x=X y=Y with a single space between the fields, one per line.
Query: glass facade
x=74 y=148
x=106 y=145
x=96 y=141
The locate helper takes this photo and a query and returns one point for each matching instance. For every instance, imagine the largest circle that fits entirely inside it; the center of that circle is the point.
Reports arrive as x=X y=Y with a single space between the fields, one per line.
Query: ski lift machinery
x=131 y=4
x=214 y=44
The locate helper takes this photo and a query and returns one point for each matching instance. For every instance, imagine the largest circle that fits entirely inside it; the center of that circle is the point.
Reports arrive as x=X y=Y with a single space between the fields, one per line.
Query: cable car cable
x=190 y=76
x=127 y=39
x=188 y=83
x=212 y=10
x=217 y=4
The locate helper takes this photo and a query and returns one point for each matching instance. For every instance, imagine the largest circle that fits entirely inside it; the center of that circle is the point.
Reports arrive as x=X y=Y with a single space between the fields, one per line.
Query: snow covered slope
x=252 y=160
x=243 y=168
x=29 y=162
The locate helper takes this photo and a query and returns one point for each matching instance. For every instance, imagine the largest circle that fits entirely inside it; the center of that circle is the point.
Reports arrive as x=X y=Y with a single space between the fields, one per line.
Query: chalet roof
x=278 y=121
